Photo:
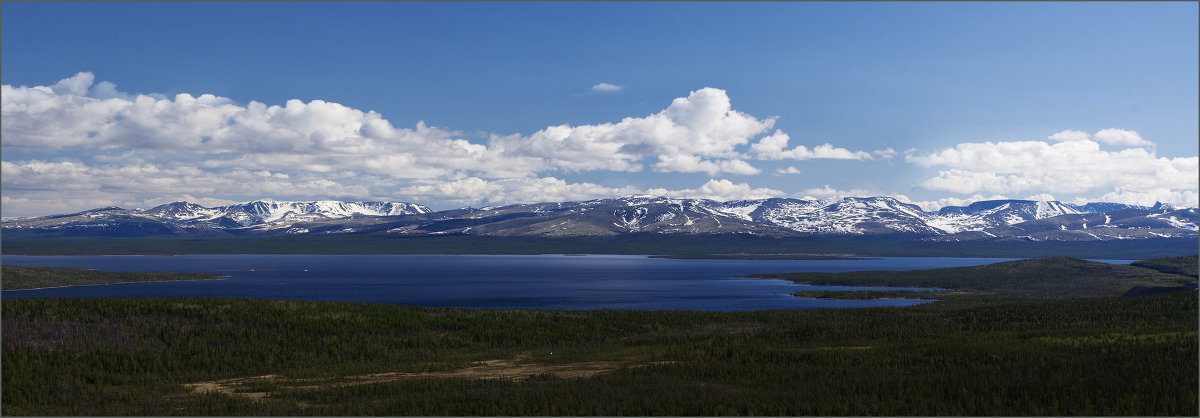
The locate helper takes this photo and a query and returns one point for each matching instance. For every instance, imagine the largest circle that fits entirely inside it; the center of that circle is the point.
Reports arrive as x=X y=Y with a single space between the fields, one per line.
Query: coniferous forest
x=991 y=346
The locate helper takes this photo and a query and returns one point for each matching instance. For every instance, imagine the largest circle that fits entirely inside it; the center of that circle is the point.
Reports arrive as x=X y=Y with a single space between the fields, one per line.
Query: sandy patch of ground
x=489 y=369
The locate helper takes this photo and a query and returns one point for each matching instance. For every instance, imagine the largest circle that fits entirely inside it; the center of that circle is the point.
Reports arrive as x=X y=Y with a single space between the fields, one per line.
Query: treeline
x=898 y=245
x=19 y=277
x=1102 y=356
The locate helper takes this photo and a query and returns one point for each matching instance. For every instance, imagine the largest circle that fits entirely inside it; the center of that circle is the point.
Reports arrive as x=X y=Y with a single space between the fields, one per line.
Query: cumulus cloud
x=826 y=191
x=108 y=90
x=82 y=143
x=1117 y=137
x=606 y=88
x=155 y=179
x=77 y=84
x=702 y=125
x=1120 y=137
x=884 y=154
x=474 y=190
x=1070 y=135
x=725 y=190
x=141 y=148
x=771 y=147
x=1047 y=197
x=697 y=133
x=136 y=146
x=934 y=205
x=693 y=164
x=1146 y=197
x=1073 y=165
x=316 y=136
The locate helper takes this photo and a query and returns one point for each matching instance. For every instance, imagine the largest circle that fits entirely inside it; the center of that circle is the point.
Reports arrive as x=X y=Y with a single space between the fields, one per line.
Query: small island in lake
x=26 y=278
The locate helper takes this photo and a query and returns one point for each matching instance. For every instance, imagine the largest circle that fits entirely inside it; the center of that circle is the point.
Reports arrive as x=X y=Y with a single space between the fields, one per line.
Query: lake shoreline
x=748 y=256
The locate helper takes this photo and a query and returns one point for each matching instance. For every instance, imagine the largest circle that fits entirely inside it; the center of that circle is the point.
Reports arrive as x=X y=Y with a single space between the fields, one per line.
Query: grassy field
x=18 y=277
x=998 y=351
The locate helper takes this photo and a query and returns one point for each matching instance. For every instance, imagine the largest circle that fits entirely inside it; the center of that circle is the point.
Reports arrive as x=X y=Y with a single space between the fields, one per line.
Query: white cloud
x=156 y=201
x=477 y=191
x=772 y=148
x=40 y=186
x=934 y=205
x=884 y=154
x=317 y=136
x=1070 y=135
x=606 y=88
x=826 y=191
x=323 y=136
x=1046 y=197
x=1117 y=137
x=693 y=164
x=108 y=90
x=150 y=185
x=701 y=125
x=137 y=147
x=77 y=85
x=1147 y=197
x=694 y=134
x=1121 y=137
x=1069 y=167
x=725 y=190
x=474 y=190
x=86 y=144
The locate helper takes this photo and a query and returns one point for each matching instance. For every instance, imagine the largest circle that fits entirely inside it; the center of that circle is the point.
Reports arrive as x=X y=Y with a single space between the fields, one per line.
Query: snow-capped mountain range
x=270 y=212
x=846 y=216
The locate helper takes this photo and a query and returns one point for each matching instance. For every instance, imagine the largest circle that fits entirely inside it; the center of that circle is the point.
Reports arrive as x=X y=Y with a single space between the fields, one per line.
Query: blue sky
x=934 y=103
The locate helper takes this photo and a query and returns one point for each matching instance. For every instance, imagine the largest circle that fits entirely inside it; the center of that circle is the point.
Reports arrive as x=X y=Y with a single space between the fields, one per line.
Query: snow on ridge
x=274 y=211
x=1049 y=209
x=1181 y=224
x=741 y=212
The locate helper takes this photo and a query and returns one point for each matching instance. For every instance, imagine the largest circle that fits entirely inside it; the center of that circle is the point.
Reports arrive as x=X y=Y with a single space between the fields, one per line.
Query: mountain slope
x=1130 y=223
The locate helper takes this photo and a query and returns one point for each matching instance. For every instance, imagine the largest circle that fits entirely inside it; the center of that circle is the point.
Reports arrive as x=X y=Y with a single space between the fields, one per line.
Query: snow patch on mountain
x=742 y=211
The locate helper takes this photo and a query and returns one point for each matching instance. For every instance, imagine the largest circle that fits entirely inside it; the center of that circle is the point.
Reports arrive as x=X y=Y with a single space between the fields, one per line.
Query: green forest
x=1002 y=341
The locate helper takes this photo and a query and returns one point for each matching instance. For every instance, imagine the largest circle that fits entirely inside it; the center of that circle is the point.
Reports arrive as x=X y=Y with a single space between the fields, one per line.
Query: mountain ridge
x=846 y=216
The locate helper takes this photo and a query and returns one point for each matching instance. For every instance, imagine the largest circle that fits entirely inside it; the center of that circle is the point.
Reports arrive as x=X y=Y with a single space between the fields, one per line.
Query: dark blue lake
x=484 y=281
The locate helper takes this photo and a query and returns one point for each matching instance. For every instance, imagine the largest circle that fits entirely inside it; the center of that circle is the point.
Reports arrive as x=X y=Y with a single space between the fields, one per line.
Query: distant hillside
x=1045 y=278
x=1184 y=266
x=999 y=220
